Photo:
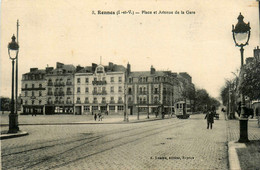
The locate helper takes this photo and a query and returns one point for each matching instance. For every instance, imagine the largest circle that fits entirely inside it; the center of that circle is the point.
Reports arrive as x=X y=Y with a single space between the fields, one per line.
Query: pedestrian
x=95 y=117
x=210 y=118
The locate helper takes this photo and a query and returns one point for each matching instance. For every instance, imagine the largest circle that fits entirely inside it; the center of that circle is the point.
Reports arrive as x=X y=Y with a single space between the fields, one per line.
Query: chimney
x=128 y=68
x=94 y=66
x=59 y=65
x=33 y=69
x=152 y=70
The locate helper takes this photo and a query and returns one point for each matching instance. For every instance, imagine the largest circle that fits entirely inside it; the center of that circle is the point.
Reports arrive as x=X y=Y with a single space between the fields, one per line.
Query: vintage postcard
x=115 y=84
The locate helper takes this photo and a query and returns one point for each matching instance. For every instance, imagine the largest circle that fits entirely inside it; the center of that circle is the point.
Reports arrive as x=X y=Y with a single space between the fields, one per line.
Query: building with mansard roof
x=100 y=88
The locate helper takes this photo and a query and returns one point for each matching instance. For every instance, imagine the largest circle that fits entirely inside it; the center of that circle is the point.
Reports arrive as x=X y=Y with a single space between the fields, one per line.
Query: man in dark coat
x=210 y=118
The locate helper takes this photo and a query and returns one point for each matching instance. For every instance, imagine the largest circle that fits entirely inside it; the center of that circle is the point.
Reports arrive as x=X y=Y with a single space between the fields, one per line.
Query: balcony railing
x=69 y=92
x=60 y=93
x=112 y=102
x=68 y=102
x=69 y=83
x=59 y=84
x=120 y=101
x=99 y=82
x=49 y=102
x=103 y=102
x=78 y=102
x=99 y=93
x=86 y=102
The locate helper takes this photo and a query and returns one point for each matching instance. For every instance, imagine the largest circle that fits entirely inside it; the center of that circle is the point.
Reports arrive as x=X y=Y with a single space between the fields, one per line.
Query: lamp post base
x=243 y=124
x=13 y=123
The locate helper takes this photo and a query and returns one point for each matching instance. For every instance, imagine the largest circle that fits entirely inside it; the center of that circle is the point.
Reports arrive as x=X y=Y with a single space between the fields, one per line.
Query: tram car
x=182 y=110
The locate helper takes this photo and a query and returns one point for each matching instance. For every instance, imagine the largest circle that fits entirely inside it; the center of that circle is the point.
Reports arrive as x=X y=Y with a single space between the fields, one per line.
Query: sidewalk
x=244 y=156
x=68 y=120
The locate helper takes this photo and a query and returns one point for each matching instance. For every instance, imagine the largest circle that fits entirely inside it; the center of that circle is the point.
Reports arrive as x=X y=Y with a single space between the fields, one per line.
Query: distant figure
x=100 y=116
x=210 y=118
x=95 y=117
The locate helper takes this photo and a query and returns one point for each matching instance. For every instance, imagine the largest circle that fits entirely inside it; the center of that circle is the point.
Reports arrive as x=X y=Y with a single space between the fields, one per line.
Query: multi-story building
x=97 y=88
x=148 y=91
x=33 y=92
x=60 y=89
x=100 y=88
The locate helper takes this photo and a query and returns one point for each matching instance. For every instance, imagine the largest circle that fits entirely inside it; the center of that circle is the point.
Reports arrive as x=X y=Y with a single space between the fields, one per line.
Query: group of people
x=99 y=116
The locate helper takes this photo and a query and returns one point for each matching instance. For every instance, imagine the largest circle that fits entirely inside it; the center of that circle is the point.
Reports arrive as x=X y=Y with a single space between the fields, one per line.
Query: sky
x=198 y=42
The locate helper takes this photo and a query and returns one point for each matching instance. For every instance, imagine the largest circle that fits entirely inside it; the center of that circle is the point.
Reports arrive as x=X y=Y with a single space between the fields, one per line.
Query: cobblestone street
x=162 y=144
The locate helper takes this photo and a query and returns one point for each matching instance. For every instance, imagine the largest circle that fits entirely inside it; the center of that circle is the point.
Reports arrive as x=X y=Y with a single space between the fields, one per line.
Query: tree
x=250 y=86
x=5 y=104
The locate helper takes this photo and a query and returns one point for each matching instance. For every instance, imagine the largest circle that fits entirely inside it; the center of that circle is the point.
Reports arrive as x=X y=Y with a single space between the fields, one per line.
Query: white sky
x=66 y=31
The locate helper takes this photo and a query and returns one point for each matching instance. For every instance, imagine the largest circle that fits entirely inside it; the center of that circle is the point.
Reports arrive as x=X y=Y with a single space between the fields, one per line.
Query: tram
x=182 y=110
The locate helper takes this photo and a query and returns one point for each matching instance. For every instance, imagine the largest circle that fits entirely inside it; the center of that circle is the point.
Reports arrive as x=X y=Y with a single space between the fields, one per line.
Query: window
x=120 y=99
x=95 y=89
x=130 y=80
x=32 y=93
x=120 y=108
x=95 y=79
x=78 y=80
x=112 y=89
x=95 y=100
x=32 y=102
x=112 y=108
x=94 y=108
x=26 y=102
x=119 y=79
x=32 y=85
x=78 y=90
x=26 y=86
x=111 y=79
x=78 y=98
x=119 y=89
x=40 y=85
x=86 y=108
x=86 y=80
x=103 y=99
x=86 y=90
x=156 y=90
x=26 y=93
x=112 y=98
x=40 y=102
x=40 y=93
x=140 y=89
x=103 y=78
x=103 y=89
x=86 y=98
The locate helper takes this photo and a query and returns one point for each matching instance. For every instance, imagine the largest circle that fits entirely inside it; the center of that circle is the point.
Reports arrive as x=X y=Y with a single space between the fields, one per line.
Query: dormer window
x=100 y=69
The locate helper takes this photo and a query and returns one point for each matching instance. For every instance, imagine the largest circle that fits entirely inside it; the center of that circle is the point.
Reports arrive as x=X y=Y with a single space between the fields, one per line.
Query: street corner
x=5 y=135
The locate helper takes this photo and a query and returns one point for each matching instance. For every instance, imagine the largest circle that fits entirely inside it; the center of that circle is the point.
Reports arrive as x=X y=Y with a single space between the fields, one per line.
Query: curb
x=232 y=155
x=91 y=123
x=13 y=135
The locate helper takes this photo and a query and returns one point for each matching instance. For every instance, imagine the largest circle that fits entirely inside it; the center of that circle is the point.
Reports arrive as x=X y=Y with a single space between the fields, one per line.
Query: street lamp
x=241 y=35
x=13 y=49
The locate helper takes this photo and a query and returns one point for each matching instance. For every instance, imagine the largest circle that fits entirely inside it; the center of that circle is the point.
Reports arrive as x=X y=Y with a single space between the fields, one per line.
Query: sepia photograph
x=112 y=84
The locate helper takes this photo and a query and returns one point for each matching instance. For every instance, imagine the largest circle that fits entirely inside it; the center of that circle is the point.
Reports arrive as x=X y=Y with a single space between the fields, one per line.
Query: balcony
x=120 y=101
x=68 y=102
x=59 y=84
x=99 y=82
x=99 y=93
x=112 y=102
x=103 y=102
x=78 y=102
x=69 y=83
x=60 y=93
x=95 y=102
x=49 y=102
x=69 y=92
x=86 y=102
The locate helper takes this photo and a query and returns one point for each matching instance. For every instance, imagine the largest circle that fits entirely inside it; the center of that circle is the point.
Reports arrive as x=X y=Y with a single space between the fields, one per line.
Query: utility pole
x=16 y=74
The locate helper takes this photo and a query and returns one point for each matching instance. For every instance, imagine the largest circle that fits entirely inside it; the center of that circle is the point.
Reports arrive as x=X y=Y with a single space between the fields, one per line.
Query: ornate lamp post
x=241 y=35
x=13 y=49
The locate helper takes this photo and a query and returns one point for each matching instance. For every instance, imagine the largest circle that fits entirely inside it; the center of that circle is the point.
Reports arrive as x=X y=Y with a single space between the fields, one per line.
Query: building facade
x=60 y=89
x=100 y=89
x=33 y=92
